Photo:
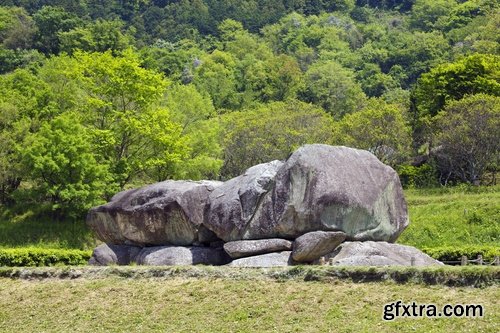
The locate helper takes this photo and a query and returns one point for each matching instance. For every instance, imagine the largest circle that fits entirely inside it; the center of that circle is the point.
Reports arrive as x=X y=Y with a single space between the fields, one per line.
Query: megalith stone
x=182 y=256
x=170 y=212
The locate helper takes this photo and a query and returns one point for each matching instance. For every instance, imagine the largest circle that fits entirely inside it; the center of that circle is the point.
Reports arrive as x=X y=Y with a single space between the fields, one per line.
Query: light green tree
x=62 y=168
x=195 y=114
x=334 y=88
x=216 y=75
x=452 y=81
x=379 y=128
x=121 y=107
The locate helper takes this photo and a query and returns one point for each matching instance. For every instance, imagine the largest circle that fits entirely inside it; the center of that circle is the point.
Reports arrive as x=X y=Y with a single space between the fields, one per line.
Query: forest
x=100 y=96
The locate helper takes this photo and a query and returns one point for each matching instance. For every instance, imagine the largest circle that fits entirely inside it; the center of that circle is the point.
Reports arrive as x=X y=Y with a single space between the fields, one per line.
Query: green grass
x=28 y=230
x=454 y=216
x=116 y=304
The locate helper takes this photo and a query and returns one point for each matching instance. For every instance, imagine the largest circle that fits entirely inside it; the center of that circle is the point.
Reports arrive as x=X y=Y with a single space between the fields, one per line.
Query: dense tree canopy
x=471 y=75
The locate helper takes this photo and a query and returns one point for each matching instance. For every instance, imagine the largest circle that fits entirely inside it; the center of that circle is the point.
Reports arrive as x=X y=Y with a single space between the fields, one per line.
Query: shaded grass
x=29 y=230
x=454 y=216
x=115 y=304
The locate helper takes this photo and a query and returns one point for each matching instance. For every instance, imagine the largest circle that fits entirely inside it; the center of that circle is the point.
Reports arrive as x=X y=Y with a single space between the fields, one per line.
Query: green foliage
x=17 y=59
x=194 y=113
x=29 y=257
x=379 y=128
x=216 y=76
x=334 y=88
x=410 y=54
x=271 y=131
x=431 y=14
x=468 y=133
x=120 y=108
x=50 y=22
x=463 y=13
x=99 y=36
x=61 y=167
x=87 y=125
x=23 y=101
x=455 y=253
x=452 y=81
x=173 y=59
x=16 y=28
x=424 y=176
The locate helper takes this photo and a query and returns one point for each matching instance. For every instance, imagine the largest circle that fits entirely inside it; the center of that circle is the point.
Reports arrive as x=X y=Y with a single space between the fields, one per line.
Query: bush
x=455 y=253
x=417 y=177
x=43 y=257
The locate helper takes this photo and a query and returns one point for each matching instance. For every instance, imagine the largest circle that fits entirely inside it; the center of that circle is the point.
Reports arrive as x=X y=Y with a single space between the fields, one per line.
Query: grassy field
x=225 y=305
x=453 y=217
x=438 y=217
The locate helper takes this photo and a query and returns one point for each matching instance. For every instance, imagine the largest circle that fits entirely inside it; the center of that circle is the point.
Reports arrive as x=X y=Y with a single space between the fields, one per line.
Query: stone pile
x=323 y=201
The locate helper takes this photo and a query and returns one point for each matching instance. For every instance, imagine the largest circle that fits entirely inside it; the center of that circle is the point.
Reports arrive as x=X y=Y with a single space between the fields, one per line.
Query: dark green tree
x=50 y=22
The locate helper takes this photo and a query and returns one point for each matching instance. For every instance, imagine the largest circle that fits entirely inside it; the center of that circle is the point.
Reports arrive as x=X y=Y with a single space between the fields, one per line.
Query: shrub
x=417 y=177
x=43 y=257
x=455 y=253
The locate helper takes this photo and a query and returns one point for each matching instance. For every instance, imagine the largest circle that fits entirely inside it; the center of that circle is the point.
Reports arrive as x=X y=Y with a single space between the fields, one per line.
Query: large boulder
x=313 y=245
x=379 y=254
x=247 y=248
x=319 y=188
x=109 y=254
x=234 y=205
x=182 y=256
x=275 y=259
x=170 y=212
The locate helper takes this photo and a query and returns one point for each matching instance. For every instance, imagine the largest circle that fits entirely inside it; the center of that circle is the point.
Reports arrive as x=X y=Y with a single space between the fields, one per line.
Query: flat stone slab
x=240 y=249
x=182 y=256
x=275 y=259
x=379 y=254
x=313 y=245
